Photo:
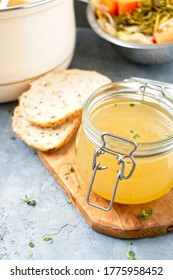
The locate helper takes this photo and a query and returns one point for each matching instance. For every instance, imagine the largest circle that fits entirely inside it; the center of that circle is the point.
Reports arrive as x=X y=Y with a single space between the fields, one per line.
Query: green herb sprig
x=131 y=255
x=145 y=215
x=30 y=253
x=71 y=170
x=69 y=201
x=31 y=244
x=30 y=202
x=48 y=239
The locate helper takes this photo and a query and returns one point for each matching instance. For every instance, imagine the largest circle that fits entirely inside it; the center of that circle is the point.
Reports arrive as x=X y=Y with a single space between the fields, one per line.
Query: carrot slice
x=126 y=6
x=111 y=6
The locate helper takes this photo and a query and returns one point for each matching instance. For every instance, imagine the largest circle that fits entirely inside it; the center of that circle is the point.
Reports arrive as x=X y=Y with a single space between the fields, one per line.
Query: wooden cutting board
x=122 y=221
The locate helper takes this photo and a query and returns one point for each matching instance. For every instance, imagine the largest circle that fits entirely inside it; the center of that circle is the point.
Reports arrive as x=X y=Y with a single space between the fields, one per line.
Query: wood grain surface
x=122 y=221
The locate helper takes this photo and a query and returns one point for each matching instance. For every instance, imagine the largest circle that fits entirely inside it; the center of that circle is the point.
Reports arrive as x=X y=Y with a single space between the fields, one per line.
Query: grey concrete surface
x=22 y=173
x=80 y=13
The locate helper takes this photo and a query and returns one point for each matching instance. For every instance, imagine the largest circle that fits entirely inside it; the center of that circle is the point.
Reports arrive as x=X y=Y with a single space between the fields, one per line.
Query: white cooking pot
x=34 y=39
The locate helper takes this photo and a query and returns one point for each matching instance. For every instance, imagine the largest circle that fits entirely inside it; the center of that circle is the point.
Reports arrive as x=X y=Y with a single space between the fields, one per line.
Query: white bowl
x=35 y=39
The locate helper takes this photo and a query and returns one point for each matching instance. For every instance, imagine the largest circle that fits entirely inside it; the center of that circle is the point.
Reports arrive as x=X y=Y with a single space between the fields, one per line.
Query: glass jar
x=124 y=147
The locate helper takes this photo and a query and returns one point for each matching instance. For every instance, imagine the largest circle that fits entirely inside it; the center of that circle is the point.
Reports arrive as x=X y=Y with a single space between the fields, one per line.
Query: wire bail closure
x=161 y=89
x=120 y=173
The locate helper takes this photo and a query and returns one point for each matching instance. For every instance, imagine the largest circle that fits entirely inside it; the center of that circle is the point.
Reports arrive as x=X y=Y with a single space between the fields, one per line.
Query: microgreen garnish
x=69 y=201
x=1 y=237
x=30 y=202
x=130 y=242
x=115 y=104
x=130 y=255
x=48 y=239
x=145 y=215
x=31 y=244
x=30 y=253
x=71 y=168
x=131 y=104
x=131 y=131
x=12 y=137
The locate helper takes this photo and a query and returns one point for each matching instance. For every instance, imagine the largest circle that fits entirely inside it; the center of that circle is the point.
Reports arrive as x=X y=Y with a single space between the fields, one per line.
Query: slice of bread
x=43 y=139
x=59 y=95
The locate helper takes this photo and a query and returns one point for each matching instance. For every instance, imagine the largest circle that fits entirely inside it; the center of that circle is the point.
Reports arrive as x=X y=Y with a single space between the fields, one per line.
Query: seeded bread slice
x=59 y=95
x=44 y=139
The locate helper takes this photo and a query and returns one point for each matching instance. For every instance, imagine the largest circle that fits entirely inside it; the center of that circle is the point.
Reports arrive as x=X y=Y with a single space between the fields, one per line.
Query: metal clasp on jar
x=120 y=160
x=155 y=88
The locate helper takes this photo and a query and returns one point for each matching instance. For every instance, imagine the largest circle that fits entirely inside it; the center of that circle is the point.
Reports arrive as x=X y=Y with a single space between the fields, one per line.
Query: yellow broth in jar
x=140 y=122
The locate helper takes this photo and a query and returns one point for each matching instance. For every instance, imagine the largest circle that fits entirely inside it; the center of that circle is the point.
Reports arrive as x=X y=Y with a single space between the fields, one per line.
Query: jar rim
x=144 y=149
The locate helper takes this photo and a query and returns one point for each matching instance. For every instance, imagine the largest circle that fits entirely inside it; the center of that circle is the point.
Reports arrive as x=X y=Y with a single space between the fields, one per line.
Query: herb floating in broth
x=138 y=21
x=135 y=136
